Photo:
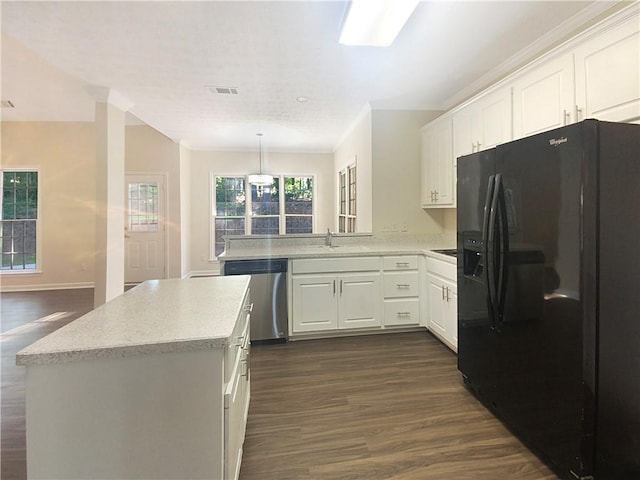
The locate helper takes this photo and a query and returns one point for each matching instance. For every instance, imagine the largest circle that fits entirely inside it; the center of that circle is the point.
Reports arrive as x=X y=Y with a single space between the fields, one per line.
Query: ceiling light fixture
x=260 y=179
x=302 y=99
x=375 y=23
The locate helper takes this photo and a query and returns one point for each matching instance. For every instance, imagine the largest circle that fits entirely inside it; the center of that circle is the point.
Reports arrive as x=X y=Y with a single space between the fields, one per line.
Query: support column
x=110 y=206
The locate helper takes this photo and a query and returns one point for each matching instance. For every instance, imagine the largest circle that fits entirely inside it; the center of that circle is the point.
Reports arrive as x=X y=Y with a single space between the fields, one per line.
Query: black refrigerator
x=548 y=247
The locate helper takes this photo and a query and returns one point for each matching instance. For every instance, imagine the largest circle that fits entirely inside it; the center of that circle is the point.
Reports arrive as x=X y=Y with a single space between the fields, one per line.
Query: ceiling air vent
x=223 y=90
x=6 y=104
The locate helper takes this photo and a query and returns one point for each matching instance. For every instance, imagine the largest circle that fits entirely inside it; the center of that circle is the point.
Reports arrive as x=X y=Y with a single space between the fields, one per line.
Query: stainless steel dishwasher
x=269 y=318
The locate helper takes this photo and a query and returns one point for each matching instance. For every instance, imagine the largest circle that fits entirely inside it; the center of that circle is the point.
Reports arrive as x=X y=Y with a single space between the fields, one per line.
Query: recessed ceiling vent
x=6 y=104
x=223 y=90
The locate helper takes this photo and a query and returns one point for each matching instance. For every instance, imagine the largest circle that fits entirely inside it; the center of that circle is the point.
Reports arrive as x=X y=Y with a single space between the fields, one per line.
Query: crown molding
x=548 y=42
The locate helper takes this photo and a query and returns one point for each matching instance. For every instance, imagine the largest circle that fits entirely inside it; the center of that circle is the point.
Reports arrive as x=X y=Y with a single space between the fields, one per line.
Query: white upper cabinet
x=543 y=97
x=438 y=177
x=483 y=123
x=608 y=74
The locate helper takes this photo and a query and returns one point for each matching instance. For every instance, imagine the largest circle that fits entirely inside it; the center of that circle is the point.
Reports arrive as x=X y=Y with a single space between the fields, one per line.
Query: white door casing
x=144 y=228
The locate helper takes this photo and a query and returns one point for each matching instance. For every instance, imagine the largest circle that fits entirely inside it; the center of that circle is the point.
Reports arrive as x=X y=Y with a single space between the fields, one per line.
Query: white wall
x=356 y=147
x=396 y=176
x=65 y=154
x=185 y=211
x=204 y=163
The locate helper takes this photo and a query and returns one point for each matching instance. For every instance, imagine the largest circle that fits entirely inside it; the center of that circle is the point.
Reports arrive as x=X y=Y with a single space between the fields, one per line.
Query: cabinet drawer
x=404 y=262
x=443 y=269
x=401 y=311
x=401 y=284
x=335 y=264
x=237 y=341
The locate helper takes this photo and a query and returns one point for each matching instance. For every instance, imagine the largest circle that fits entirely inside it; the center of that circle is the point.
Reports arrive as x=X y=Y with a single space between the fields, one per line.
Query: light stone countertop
x=322 y=251
x=156 y=316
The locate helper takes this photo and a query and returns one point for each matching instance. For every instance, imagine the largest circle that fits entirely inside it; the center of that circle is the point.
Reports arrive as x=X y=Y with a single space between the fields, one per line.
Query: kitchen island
x=153 y=384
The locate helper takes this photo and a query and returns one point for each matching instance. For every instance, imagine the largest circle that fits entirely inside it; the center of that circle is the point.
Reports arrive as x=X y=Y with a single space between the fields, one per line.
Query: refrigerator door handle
x=487 y=251
x=493 y=250
x=503 y=251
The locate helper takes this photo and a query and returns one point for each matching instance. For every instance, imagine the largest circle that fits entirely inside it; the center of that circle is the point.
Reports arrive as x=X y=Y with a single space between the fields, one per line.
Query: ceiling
x=163 y=57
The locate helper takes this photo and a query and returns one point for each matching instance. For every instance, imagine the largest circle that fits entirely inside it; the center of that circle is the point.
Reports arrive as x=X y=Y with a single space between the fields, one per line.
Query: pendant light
x=260 y=179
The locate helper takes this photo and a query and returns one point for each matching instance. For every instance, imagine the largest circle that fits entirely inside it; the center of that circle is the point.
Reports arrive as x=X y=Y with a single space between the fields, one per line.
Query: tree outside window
x=18 y=225
x=284 y=207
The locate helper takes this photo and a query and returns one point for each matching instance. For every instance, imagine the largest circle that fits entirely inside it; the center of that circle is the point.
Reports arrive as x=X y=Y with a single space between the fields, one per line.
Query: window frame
x=282 y=215
x=347 y=199
x=39 y=262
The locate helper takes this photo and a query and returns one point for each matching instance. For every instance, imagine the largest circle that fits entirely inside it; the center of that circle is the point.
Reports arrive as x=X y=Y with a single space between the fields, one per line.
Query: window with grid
x=19 y=222
x=284 y=207
x=230 y=209
x=347 y=200
x=143 y=207
x=298 y=204
x=265 y=208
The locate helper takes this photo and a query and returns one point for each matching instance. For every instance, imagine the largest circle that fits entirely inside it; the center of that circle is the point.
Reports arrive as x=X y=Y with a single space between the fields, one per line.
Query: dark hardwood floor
x=25 y=318
x=370 y=407
x=373 y=407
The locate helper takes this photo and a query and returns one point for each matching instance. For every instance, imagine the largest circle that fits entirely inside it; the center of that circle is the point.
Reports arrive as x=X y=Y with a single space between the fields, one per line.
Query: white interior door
x=144 y=228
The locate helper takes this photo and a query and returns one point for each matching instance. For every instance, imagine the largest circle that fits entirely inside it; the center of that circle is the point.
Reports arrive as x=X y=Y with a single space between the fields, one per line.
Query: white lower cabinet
x=442 y=318
x=236 y=402
x=325 y=302
x=401 y=287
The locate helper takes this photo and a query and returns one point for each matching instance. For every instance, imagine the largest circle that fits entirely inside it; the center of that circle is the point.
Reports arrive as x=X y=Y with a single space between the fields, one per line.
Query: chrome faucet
x=328 y=238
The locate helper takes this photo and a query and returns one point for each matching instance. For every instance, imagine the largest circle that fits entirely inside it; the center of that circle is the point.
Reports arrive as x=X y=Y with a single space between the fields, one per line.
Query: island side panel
x=147 y=416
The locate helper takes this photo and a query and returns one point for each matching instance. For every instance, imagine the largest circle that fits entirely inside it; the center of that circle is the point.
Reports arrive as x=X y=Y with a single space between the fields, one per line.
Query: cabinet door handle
x=403 y=285
x=578 y=113
x=248 y=308
x=402 y=264
x=404 y=314
x=334 y=288
x=448 y=298
x=566 y=116
x=442 y=286
x=340 y=287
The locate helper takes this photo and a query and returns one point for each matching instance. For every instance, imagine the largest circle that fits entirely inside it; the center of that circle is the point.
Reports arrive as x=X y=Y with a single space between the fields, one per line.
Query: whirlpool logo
x=554 y=142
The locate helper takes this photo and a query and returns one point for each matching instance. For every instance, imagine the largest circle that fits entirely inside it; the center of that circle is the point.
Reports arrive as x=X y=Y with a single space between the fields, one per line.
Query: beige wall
x=148 y=151
x=356 y=147
x=205 y=163
x=65 y=154
x=396 y=176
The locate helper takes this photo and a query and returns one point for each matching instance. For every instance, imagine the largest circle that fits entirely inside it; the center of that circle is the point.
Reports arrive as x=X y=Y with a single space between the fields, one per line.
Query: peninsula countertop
x=347 y=250
x=156 y=316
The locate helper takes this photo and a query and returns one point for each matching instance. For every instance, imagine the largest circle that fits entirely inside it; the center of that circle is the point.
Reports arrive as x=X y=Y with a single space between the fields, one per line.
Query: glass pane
x=265 y=225
x=18 y=243
x=8 y=179
x=298 y=195
x=226 y=226
x=299 y=224
x=230 y=192
x=352 y=225
x=352 y=191
x=143 y=207
x=343 y=193
x=265 y=200
x=8 y=204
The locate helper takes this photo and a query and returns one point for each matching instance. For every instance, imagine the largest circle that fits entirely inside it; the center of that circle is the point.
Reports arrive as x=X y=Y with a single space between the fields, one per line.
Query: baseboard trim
x=45 y=286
